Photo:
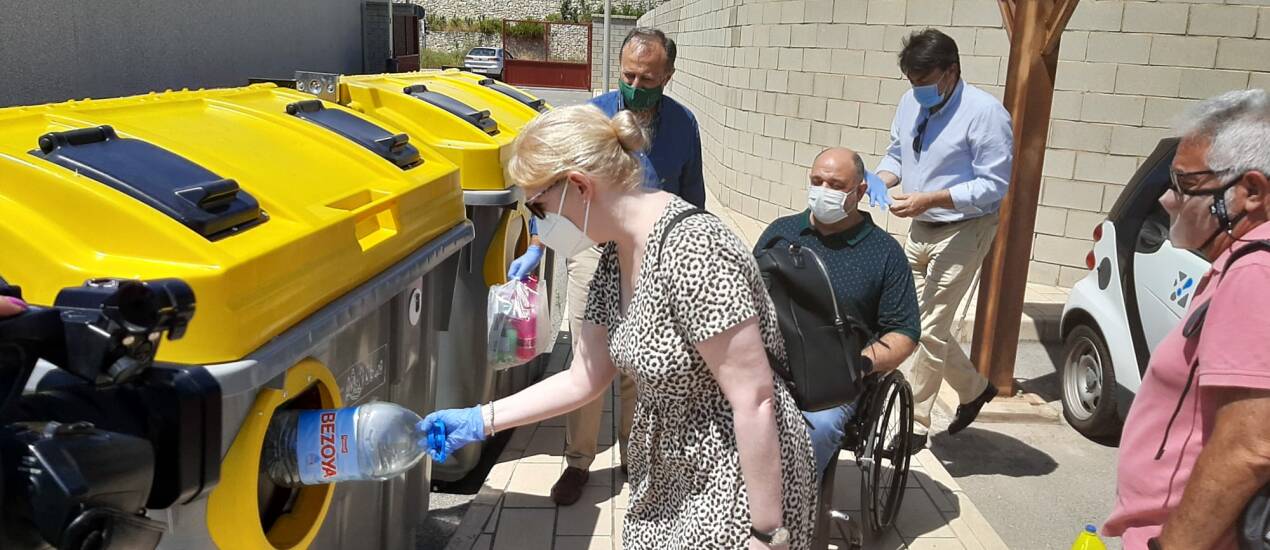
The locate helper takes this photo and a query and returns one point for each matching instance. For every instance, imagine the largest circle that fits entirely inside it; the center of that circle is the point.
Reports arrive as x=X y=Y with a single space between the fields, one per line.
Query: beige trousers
x=582 y=426
x=944 y=260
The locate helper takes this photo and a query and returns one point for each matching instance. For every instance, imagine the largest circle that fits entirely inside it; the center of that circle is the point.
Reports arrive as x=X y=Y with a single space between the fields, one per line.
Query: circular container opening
x=275 y=501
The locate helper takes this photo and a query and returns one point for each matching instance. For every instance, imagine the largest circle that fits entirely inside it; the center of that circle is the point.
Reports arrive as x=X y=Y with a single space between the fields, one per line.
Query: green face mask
x=639 y=99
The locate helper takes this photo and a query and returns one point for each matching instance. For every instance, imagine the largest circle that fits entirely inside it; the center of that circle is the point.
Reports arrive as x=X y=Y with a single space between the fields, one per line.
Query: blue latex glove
x=460 y=426
x=878 y=195
x=525 y=265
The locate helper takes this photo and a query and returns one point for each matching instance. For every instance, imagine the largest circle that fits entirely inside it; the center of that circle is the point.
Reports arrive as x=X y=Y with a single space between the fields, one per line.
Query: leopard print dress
x=687 y=491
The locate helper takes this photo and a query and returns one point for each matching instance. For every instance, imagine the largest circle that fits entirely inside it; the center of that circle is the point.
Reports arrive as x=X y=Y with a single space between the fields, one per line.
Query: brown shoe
x=568 y=489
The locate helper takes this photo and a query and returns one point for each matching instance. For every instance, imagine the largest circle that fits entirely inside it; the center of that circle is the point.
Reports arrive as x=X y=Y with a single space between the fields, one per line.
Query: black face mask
x=1185 y=221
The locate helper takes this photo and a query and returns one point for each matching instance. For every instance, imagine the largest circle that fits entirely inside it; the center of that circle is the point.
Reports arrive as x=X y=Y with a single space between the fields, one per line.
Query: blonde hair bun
x=578 y=138
x=630 y=133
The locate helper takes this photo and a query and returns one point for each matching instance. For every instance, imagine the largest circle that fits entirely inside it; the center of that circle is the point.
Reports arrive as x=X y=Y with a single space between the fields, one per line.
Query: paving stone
x=520 y=529
x=592 y=515
x=531 y=486
x=546 y=446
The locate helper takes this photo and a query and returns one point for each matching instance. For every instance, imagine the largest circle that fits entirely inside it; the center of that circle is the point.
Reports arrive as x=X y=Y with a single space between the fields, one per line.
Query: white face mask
x=827 y=205
x=560 y=234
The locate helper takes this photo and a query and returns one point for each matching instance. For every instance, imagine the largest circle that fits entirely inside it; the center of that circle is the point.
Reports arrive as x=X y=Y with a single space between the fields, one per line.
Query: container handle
x=211 y=196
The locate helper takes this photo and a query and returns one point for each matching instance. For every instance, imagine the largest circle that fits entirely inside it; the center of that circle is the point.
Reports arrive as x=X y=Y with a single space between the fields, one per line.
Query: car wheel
x=1089 y=384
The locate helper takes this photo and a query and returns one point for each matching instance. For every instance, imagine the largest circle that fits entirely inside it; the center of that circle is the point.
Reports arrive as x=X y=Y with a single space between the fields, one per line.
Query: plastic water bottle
x=1088 y=540
x=527 y=329
x=373 y=441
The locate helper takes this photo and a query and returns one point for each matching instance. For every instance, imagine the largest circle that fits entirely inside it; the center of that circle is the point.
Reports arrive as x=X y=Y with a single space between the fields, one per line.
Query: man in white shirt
x=950 y=152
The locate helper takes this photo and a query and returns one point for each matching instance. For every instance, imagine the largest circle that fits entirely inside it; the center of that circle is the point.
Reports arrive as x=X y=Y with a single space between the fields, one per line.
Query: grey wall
x=67 y=49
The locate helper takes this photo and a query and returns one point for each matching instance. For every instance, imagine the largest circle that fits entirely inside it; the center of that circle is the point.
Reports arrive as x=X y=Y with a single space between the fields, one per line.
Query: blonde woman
x=719 y=454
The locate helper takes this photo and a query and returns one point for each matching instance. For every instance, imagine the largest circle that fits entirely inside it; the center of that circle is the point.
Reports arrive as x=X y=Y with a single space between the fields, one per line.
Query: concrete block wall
x=620 y=25
x=773 y=82
x=54 y=51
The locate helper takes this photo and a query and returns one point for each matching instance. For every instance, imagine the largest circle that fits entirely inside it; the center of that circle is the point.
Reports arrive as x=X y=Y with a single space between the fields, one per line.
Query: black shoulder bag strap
x=1253 y=531
x=1194 y=326
x=776 y=365
x=671 y=225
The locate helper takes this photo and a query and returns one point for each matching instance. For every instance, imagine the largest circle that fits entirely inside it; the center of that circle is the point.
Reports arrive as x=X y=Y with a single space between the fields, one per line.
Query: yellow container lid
x=269 y=203
x=514 y=105
x=471 y=123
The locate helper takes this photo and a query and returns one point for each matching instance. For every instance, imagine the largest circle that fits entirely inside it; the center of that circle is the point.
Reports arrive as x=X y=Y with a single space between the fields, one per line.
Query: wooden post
x=1034 y=27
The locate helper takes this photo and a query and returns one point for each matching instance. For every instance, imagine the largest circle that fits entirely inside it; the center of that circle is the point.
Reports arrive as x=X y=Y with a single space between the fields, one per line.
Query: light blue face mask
x=928 y=96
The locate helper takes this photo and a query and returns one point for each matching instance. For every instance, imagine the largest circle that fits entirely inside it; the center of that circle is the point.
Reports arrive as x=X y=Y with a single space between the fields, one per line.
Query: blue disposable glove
x=523 y=266
x=450 y=430
x=878 y=195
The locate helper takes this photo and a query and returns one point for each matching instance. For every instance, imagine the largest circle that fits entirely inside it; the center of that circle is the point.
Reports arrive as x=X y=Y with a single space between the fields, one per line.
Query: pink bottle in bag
x=527 y=329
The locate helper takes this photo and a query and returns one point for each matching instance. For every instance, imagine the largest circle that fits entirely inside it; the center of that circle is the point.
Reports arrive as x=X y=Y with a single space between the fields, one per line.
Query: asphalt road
x=561 y=98
x=1037 y=484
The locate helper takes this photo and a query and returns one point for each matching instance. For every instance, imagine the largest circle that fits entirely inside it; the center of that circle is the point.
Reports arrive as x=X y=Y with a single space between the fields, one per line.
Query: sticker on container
x=364 y=377
x=326 y=446
x=416 y=306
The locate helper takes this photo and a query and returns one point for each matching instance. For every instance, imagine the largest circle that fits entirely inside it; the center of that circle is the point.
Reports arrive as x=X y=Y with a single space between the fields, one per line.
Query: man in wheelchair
x=869 y=273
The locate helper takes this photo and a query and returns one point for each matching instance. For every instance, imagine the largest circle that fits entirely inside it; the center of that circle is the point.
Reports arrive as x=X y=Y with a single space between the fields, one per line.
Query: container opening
x=479 y=119
x=535 y=104
x=394 y=148
x=275 y=501
x=210 y=205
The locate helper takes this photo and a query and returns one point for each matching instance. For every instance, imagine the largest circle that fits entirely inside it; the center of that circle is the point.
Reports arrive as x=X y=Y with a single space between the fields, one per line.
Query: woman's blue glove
x=523 y=266
x=450 y=430
x=878 y=195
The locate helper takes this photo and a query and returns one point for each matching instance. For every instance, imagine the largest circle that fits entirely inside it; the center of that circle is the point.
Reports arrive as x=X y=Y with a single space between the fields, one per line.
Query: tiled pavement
x=514 y=512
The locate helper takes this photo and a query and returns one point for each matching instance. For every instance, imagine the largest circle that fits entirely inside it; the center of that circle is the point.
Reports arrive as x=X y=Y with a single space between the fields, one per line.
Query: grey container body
x=380 y=342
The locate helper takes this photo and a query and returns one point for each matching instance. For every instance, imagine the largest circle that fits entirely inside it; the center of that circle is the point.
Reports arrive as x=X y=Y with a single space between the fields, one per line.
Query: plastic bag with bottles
x=519 y=322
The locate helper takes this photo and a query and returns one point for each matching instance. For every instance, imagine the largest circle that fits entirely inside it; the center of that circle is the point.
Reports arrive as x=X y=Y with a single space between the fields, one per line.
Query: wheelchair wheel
x=884 y=460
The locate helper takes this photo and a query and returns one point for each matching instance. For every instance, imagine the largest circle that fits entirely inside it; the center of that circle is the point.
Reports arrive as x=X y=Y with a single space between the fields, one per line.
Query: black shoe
x=568 y=489
x=967 y=413
x=917 y=442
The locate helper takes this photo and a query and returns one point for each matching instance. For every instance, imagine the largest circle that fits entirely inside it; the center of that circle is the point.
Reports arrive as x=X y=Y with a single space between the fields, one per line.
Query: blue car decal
x=1183 y=288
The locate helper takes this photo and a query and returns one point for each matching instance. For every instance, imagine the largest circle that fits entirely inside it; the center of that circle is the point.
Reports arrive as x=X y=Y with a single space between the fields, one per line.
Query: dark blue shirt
x=867 y=267
x=674 y=160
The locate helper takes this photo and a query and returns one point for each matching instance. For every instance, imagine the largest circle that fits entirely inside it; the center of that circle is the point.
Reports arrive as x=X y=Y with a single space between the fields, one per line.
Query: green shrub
x=525 y=30
x=432 y=59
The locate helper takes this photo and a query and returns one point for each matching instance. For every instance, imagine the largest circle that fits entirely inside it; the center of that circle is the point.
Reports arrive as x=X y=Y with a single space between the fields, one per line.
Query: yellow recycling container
x=473 y=121
x=322 y=248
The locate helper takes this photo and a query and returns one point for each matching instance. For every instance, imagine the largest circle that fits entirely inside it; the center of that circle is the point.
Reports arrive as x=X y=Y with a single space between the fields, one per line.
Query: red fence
x=553 y=55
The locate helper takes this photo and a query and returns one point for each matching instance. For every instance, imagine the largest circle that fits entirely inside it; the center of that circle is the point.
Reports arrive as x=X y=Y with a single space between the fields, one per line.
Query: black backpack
x=823 y=343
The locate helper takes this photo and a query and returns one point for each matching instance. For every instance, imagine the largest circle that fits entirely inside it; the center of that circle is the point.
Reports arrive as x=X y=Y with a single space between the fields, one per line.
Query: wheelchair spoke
x=886 y=450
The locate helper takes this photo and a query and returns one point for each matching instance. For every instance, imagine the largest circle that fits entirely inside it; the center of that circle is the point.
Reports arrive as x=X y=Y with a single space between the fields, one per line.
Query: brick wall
x=620 y=26
x=773 y=82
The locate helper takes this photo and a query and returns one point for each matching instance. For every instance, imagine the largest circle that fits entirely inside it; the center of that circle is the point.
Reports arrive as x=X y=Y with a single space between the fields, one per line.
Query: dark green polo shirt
x=868 y=270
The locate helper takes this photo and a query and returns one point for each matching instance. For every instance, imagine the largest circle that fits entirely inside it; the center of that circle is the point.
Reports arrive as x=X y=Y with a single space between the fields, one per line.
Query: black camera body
x=110 y=434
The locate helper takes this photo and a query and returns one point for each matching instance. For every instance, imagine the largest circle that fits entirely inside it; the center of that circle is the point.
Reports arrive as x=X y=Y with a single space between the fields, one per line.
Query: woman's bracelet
x=489 y=420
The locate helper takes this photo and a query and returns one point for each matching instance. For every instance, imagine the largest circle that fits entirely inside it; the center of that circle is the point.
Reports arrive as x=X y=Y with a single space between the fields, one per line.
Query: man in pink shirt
x=1196 y=444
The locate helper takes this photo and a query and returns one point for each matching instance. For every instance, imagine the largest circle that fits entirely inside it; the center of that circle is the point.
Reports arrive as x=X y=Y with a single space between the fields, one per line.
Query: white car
x=1137 y=290
x=486 y=61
